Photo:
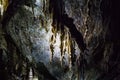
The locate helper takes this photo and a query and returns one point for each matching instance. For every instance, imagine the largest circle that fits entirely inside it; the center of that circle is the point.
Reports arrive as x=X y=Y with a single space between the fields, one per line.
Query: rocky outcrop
x=59 y=40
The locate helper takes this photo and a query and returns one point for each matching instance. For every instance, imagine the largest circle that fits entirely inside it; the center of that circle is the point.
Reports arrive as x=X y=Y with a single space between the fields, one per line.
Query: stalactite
x=52 y=52
x=52 y=42
x=73 y=56
x=61 y=20
x=70 y=42
x=62 y=45
x=3 y=6
x=68 y=45
x=53 y=39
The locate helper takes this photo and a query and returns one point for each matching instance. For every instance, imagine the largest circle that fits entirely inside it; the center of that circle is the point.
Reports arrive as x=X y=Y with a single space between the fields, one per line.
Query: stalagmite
x=30 y=74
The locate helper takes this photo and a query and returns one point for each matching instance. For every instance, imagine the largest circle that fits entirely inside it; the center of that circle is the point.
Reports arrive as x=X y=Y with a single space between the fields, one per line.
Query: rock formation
x=59 y=40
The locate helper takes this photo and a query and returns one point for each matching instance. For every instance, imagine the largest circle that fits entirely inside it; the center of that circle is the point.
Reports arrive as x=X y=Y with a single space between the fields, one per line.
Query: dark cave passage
x=110 y=11
x=111 y=14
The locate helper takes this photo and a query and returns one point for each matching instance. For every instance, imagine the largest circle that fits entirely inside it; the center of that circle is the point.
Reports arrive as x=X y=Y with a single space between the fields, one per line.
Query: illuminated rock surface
x=59 y=40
